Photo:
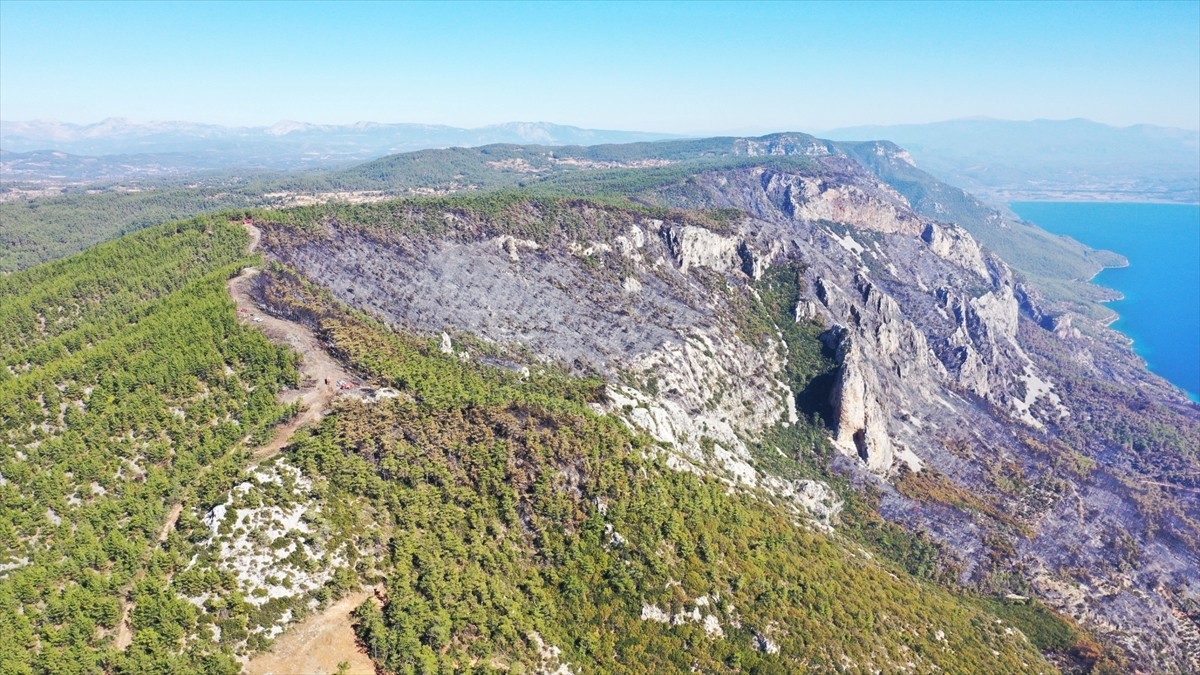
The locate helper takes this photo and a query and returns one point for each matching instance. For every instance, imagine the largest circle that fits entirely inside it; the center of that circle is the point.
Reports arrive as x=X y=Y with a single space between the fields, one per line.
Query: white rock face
x=653 y=613
x=812 y=199
x=992 y=363
x=669 y=422
x=1000 y=312
x=861 y=426
x=783 y=146
x=876 y=341
x=512 y=246
x=631 y=244
x=708 y=394
x=708 y=621
x=956 y=245
x=698 y=247
x=682 y=617
x=817 y=497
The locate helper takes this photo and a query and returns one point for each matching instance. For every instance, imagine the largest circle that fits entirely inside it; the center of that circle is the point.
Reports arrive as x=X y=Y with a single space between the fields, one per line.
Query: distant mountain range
x=999 y=160
x=1050 y=159
x=150 y=148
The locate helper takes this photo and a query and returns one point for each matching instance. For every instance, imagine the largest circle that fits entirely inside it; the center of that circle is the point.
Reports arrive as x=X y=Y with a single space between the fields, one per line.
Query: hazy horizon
x=692 y=69
x=748 y=131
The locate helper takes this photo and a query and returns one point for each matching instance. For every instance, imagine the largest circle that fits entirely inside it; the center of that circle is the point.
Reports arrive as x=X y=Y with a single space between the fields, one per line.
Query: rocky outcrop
x=813 y=199
x=693 y=246
x=885 y=368
x=984 y=356
x=860 y=427
x=512 y=246
x=783 y=144
x=954 y=244
x=704 y=396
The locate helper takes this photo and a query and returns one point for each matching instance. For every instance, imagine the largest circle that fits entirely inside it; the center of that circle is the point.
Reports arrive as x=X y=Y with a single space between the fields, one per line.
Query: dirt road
x=319 y=372
x=317 y=644
x=319 y=375
x=321 y=642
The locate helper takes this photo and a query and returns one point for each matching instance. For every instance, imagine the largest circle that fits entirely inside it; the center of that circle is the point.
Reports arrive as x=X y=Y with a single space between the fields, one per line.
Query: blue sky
x=676 y=67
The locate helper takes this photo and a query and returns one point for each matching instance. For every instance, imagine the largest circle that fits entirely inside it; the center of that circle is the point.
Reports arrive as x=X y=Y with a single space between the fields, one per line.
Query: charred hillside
x=800 y=330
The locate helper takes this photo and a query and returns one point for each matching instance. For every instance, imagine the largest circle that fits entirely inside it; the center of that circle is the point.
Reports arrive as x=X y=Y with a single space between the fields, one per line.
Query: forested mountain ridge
x=749 y=404
x=127 y=386
x=126 y=393
x=928 y=361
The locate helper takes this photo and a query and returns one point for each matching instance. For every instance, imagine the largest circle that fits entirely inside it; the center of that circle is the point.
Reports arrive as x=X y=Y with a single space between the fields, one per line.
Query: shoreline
x=1103 y=267
x=1113 y=324
x=1139 y=199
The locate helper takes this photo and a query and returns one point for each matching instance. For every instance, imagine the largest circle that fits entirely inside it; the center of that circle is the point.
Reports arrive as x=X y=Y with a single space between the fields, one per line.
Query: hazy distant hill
x=52 y=166
x=284 y=145
x=1041 y=159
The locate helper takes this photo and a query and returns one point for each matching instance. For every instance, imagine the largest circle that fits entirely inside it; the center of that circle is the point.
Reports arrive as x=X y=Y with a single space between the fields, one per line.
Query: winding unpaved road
x=323 y=641
x=319 y=375
x=319 y=372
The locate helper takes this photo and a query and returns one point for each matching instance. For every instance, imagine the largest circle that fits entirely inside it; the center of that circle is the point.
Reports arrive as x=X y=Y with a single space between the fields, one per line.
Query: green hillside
x=510 y=508
x=49 y=228
x=126 y=386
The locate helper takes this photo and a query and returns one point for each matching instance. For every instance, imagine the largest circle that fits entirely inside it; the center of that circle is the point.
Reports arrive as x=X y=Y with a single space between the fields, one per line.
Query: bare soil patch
x=317 y=644
x=319 y=372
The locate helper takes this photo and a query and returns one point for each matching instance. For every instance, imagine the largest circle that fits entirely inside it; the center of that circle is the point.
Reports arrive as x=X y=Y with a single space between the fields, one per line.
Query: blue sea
x=1161 y=309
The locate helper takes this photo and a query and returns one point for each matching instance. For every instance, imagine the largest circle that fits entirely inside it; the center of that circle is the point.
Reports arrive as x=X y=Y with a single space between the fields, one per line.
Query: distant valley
x=1051 y=160
x=998 y=160
x=116 y=149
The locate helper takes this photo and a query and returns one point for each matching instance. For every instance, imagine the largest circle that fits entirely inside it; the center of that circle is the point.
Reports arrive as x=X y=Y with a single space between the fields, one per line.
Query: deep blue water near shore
x=1161 y=309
